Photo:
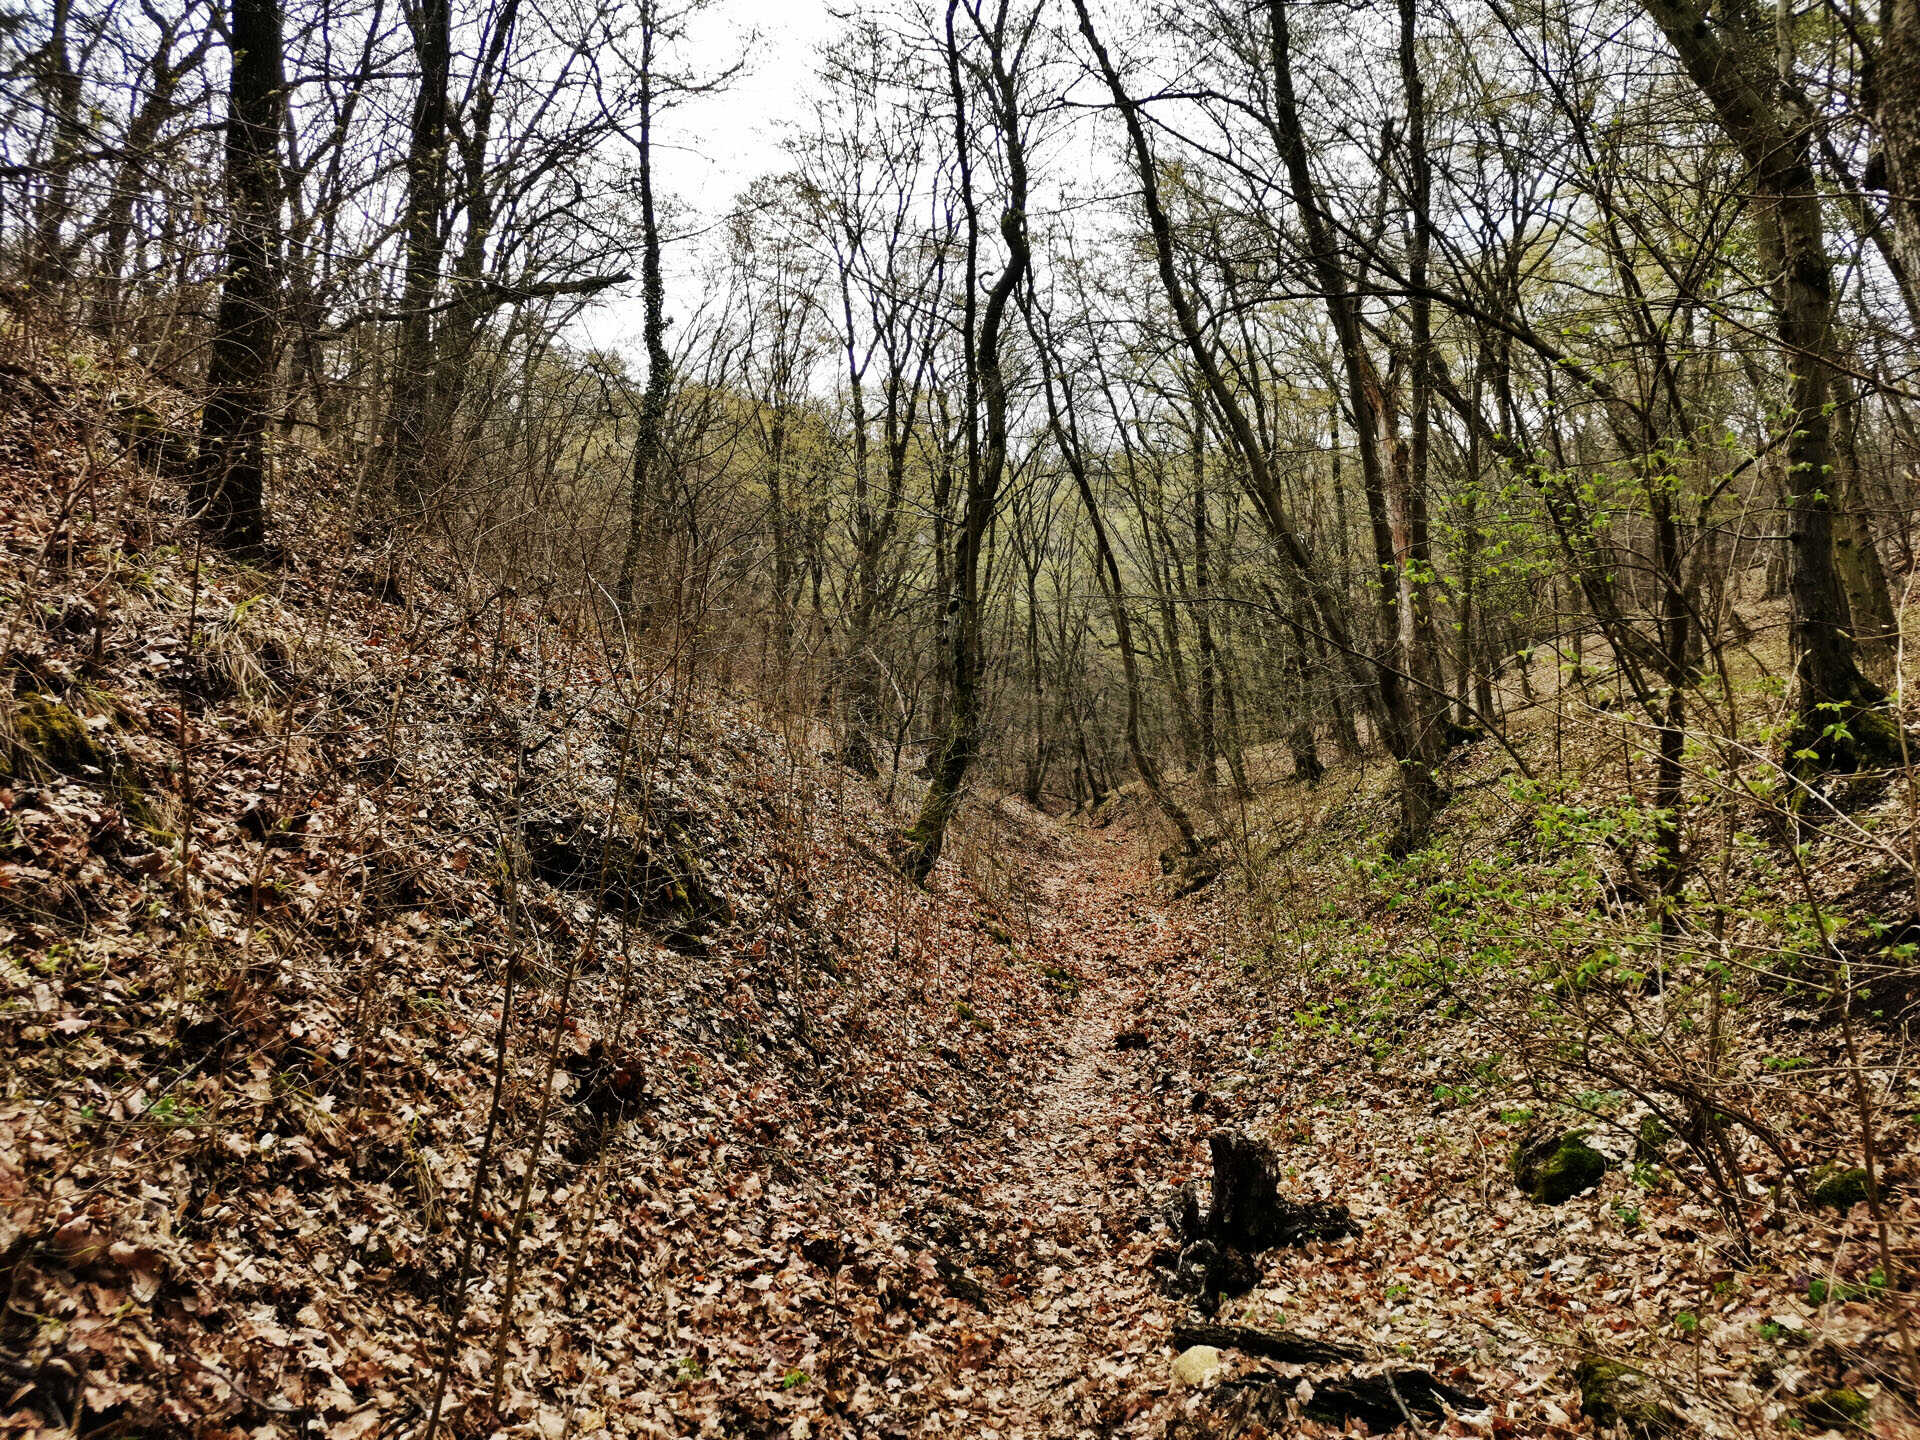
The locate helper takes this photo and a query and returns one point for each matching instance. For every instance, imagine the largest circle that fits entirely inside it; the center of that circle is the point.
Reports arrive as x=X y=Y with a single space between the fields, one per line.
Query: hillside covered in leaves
x=417 y=1018
x=1060 y=719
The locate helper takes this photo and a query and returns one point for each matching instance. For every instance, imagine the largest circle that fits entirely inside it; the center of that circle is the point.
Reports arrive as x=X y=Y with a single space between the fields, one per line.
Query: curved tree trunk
x=965 y=654
x=1387 y=685
x=1107 y=568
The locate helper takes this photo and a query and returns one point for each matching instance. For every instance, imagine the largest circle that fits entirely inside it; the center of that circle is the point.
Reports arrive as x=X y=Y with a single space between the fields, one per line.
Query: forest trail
x=1074 y=1341
x=329 y=1088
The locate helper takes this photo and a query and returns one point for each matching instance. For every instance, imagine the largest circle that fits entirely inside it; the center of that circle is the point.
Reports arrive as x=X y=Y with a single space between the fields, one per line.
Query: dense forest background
x=1086 y=394
x=1439 y=477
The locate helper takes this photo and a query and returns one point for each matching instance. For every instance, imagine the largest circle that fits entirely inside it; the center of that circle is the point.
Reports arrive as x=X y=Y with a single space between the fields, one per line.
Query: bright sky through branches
x=718 y=143
x=710 y=148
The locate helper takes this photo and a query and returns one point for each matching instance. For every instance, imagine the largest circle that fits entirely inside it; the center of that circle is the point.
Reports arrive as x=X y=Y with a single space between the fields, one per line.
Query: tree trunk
x=411 y=448
x=228 y=486
x=923 y=842
x=1863 y=579
x=1161 y=567
x=51 y=267
x=1417 y=788
x=1107 y=569
x=872 y=525
x=1838 y=723
x=1232 y=735
x=1472 y=681
x=649 y=446
x=166 y=72
x=1893 y=91
x=470 y=300
x=1676 y=673
x=1202 y=617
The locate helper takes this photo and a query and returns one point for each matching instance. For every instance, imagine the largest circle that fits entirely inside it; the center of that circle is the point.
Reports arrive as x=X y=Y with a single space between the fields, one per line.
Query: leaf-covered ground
x=395 y=989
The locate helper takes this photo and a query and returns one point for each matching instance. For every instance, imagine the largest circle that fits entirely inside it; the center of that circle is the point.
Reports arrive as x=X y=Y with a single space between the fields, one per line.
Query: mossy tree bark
x=52 y=259
x=410 y=448
x=1205 y=689
x=1839 y=720
x=649 y=446
x=227 y=488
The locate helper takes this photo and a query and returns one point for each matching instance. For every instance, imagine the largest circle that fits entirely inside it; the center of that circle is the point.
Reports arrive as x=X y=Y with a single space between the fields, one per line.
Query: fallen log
x=1383 y=1400
x=1281 y=1345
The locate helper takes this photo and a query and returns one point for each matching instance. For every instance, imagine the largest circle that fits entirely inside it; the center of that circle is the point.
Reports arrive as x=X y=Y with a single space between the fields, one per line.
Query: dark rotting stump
x=1214 y=1256
x=1248 y=1214
x=1248 y=1210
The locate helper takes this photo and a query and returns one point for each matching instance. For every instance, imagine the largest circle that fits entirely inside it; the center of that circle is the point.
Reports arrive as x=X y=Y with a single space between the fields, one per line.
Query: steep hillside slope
x=392 y=988
x=415 y=1020
x=1432 y=1038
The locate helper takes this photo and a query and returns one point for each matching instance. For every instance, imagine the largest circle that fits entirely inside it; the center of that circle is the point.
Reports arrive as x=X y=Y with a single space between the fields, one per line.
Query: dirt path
x=1075 y=1343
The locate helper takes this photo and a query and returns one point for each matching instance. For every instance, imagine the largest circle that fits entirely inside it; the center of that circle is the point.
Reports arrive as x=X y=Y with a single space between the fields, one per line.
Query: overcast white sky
x=712 y=147
x=723 y=141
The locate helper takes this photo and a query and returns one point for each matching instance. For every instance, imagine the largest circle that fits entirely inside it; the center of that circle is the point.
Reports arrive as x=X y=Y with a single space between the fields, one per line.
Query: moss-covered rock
x=1553 y=1165
x=48 y=736
x=1837 y=1409
x=1616 y=1394
x=1650 y=1144
x=47 y=733
x=1838 y=1187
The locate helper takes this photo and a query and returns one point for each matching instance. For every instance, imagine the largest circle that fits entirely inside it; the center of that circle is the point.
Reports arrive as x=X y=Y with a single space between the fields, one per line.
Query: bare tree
x=1840 y=720
x=1005 y=37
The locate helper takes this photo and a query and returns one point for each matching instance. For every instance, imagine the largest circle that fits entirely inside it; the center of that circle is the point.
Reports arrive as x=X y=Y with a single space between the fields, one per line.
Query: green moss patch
x=49 y=734
x=1838 y=1187
x=1553 y=1167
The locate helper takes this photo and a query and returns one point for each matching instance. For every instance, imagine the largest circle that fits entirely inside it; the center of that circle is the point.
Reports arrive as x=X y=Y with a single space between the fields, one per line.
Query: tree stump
x=1248 y=1210
x=1216 y=1248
